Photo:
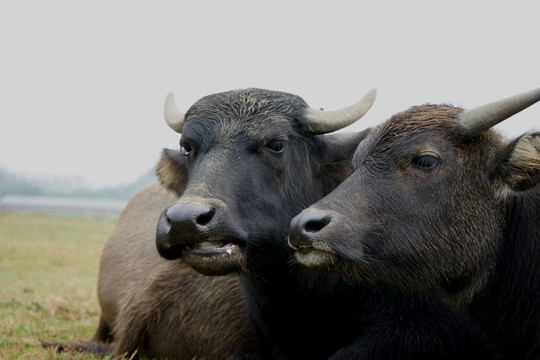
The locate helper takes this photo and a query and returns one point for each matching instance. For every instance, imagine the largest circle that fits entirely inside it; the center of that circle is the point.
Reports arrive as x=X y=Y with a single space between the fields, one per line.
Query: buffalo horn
x=322 y=122
x=484 y=117
x=173 y=116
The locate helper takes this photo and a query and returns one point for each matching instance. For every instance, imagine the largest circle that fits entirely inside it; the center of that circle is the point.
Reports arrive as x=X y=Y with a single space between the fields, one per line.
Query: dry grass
x=48 y=279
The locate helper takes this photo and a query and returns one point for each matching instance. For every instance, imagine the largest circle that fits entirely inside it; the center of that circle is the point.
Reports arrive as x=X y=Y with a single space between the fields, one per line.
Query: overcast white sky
x=82 y=84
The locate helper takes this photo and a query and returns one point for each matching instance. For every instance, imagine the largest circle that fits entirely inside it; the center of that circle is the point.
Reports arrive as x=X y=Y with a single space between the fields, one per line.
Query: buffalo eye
x=276 y=146
x=425 y=161
x=185 y=148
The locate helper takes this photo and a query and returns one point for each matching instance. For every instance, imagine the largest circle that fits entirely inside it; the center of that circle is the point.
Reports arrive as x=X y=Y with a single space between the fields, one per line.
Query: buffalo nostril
x=204 y=218
x=182 y=215
x=163 y=241
x=316 y=225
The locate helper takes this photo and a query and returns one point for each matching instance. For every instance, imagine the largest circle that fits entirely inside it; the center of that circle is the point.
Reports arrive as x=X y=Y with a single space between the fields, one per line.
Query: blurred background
x=82 y=84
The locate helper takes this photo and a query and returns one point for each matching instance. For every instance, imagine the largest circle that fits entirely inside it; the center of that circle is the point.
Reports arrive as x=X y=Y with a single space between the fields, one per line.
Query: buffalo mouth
x=212 y=247
x=215 y=256
x=315 y=255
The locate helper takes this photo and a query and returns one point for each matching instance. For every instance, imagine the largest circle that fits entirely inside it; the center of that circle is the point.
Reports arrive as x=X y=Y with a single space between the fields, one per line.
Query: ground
x=48 y=279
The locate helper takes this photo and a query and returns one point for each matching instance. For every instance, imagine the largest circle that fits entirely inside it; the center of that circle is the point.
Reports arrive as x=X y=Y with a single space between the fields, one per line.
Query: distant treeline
x=12 y=184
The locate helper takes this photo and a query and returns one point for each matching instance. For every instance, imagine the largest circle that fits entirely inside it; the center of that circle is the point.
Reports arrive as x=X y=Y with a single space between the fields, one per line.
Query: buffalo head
x=254 y=158
x=425 y=204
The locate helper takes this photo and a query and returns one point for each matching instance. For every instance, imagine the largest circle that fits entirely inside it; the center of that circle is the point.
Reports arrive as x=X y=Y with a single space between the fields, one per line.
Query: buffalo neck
x=507 y=310
x=291 y=305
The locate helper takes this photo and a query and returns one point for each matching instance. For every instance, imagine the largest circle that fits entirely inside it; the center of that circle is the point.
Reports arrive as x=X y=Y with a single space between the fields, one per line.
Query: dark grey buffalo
x=159 y=308
x=254 y=159
x=440 y=201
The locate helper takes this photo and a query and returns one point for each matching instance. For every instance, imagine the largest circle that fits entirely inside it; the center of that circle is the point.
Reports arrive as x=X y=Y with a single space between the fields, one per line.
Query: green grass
x=48 y=280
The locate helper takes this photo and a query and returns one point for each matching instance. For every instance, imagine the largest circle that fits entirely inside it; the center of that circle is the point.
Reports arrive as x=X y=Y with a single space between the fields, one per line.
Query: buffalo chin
x=214 y=261
x=317 y=259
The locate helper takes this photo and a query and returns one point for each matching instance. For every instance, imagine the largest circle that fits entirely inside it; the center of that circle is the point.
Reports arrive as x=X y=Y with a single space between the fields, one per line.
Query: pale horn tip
x=173 y=116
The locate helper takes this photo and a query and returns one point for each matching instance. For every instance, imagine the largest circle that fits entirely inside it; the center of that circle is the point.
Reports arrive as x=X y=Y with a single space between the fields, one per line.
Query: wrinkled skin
x=252 y=165
x=160 y=308
x=431 y=207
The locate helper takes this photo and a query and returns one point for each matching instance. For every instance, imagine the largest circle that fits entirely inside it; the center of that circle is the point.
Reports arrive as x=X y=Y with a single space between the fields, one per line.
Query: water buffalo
x=438 y=200
x=254 y=159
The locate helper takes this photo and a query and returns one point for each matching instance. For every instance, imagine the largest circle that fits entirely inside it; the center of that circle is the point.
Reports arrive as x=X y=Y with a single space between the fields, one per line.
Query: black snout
x=305 y=226
x=184 y=217
x=181 y=225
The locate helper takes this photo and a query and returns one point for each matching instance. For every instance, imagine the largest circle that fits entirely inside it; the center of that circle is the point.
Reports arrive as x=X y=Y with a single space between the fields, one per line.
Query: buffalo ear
x=171 y=170
x=520 y=169
x=339 y=151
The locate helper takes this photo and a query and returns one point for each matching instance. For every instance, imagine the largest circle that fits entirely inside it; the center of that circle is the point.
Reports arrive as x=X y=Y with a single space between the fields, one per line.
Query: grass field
x=48 y=279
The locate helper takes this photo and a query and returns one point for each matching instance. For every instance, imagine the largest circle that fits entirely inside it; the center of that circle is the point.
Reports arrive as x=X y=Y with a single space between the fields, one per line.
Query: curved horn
x=483 y=117
x=173 y=116
x=322 y=122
